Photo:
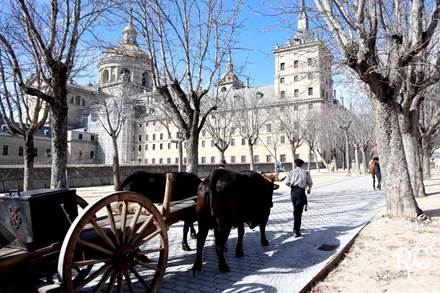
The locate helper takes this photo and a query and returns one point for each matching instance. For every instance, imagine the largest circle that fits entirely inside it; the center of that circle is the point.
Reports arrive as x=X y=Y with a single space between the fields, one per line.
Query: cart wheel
x=116 y=246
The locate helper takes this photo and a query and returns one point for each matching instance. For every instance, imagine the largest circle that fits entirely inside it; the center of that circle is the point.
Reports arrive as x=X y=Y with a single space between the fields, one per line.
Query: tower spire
x=229 y=65
x=303 y=21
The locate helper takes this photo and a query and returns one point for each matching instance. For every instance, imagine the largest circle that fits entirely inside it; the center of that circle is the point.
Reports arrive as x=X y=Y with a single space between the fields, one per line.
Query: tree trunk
x=309 y=159
x=316 y=161
x=426 y=157
x=398 y=191
x=59 y=143
x=28 y=161
x=356 y=159
x=251 y=157
x=364 y=159
x=115 y=165
x=347 y=152
x=180 y=150
x=412 y=154
x=293 y=149
x=222 y=155
x=192 y=153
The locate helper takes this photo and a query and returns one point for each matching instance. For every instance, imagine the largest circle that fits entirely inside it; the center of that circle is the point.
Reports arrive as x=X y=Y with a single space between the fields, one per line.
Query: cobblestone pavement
x=337 y=210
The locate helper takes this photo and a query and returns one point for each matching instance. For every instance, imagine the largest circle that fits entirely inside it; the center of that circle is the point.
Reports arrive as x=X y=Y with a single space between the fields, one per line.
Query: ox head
x=272 y=177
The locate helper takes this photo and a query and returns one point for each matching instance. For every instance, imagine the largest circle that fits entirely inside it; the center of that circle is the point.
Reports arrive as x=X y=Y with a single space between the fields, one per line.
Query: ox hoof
x=186 y=247
x=264 y=242
x=197 y=267
x=239 y=253
x=224 y=268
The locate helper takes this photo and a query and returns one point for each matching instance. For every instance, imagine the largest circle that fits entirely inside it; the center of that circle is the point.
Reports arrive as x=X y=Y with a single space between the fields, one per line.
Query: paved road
x=336 y=212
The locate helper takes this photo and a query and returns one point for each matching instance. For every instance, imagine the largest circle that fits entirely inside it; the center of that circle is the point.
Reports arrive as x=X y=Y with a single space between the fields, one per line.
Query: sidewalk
x=392 y=255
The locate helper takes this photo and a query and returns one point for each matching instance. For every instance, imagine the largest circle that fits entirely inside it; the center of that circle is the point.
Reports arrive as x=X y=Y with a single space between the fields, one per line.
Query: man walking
x=298 y=179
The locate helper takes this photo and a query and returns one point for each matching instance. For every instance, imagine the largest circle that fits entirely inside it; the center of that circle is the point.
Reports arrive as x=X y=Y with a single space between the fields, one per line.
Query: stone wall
x=11 y=177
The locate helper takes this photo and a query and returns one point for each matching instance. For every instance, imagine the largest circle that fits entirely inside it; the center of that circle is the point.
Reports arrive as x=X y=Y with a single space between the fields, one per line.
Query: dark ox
x=228 y=199
x=152 y=185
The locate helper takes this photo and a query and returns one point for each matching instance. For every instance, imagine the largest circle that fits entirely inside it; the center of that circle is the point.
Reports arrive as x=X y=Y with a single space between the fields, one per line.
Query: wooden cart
x=113 y=243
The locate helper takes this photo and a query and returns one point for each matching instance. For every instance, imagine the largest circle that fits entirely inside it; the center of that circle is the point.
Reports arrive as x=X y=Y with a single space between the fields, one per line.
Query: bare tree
x=41 y=39
x=112 y=112
x=188 y=41
x=429 y=127
x=221 y=127
x=22 y=115
x=251 y=118
x=380 y=41
x=311 y=130
x=344 y=118
x=288 y=120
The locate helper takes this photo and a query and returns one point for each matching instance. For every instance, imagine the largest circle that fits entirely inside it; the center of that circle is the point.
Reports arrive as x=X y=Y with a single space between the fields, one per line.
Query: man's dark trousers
x=299 y=200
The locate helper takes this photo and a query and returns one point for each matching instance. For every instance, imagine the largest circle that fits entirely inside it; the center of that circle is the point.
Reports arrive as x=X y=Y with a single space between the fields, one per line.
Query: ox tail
x=125 y=183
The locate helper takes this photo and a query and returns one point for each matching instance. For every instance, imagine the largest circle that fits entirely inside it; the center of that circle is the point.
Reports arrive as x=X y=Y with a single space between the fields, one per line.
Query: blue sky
x=255 y=41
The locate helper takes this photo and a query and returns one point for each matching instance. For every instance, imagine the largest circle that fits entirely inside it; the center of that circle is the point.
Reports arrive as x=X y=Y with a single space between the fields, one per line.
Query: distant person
x=298 y=180
x=279 y=167
x=374 y=152
x=224 y=165
x=374 y=169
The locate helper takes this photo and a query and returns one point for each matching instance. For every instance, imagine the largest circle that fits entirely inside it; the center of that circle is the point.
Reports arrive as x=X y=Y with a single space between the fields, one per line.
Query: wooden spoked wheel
x=127 y=247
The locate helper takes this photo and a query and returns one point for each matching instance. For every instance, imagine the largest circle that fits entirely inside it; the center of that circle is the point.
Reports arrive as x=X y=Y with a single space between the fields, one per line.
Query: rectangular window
x=169 y=145
x=243 y=141
x=146 y=161
x=243 y=159
x=233 y=130
x=282 y=80
x=203 y=160
x=140 y=137
x=140 y=124
x=153 y=147
x=212 y=159
x=268 y=158
x=310 y=106
x=80 y=136
x=153 y=161
x=139 y=147
x=20 y=151
x=295 y=78
x=268 y=127
x=269 y=140
x=203 y=143
x=5 y=150
x=282 y=139
x=309 y=61
x=168 y=160
x=232 y=159
x=295 y=107
x=161 y=161
x=161 y=146
x=310 y=91
x=283 y=94
x=184 y=160
x=146 y=147
x=92 y=137
x=295 y=64
x=35 y=152
x=212 y=143
x=203 y=132
x=282 y=158
x=92 y=154
x=256 y=159
x=176 y=161
x=309 y=76
x=161 y=136
x=232 y=142
x=48 y=153
x=296 y=93
x=154 y=136
x=282 y=66
x=146 y=137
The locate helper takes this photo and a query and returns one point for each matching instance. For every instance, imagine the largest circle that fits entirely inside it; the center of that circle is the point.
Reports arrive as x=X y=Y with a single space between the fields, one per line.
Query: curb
x=335 y=260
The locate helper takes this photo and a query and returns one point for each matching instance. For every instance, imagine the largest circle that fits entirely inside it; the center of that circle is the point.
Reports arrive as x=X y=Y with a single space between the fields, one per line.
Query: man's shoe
x=296 y=234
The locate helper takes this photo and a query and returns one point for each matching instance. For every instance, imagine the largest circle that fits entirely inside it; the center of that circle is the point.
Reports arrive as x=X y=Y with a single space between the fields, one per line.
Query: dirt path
x=393 y=256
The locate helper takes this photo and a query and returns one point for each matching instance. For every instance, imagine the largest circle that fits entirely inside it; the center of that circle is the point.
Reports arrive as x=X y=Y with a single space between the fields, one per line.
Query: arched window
x=104 y=76
x=125 y=74
x=223 y=89
x=145 y=80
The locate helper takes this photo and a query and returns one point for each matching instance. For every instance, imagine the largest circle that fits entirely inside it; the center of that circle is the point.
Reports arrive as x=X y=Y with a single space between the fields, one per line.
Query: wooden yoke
x=167 y=195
